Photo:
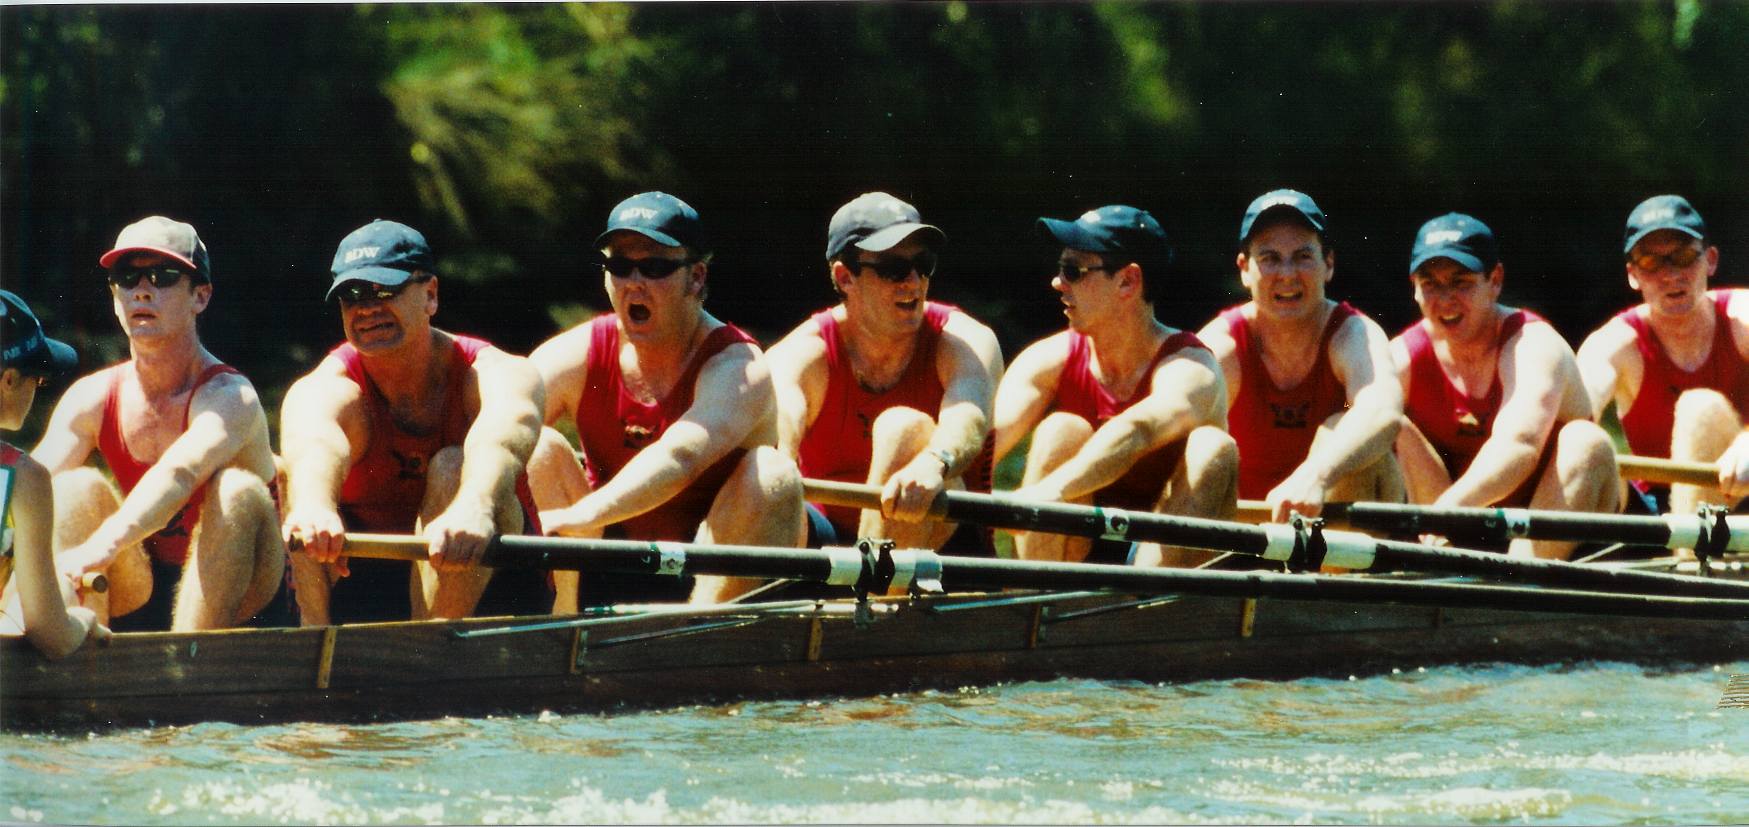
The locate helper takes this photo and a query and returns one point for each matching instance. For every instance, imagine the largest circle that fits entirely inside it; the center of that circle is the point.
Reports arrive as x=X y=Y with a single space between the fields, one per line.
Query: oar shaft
x=1667 y=471
x=618 y=556
x=1502 y=524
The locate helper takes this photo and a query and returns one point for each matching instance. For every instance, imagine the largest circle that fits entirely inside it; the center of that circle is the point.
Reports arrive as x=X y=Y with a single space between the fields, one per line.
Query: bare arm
x=732 y=401
x=1534 y=368
x=1360 y=357
x=71 y=434
x=968 y=362
x=563 y=365
x=798 y=378
x=1188 y=393
x=1026 y=391
x=322 y=431
x=1608 y=361
x=494 y=453
x=1220 y=342
x=43 y=595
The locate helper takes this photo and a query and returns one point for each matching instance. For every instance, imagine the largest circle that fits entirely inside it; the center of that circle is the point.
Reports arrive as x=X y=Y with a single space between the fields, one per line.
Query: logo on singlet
x=637 y=436
x=1468 y=425
x=1290 y=416
x=412 y=467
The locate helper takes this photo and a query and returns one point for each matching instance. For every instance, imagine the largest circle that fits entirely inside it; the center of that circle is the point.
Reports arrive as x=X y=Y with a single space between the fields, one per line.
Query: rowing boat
x=649 y=656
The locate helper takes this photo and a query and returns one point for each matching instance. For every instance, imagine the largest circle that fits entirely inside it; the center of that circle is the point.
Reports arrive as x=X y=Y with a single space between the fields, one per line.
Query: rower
x=1496 y=413
x=406 y=428
x=1124 y=411
x=1312 y=400
x=36 y=603
x=1676 y=367
x=887 y=387
x=191 y=540
x=674 y=411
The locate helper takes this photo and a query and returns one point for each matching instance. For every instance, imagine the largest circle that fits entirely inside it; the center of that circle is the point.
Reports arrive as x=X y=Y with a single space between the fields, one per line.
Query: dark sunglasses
x=127 y=278
x=652 y=268
x=355 y=292
x=1650 y=262
x=1072 y=272
x=899 y=269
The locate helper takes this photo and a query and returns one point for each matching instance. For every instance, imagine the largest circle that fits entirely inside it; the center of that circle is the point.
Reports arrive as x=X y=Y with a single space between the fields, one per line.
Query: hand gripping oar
x=926 y=571
x=1302 y=546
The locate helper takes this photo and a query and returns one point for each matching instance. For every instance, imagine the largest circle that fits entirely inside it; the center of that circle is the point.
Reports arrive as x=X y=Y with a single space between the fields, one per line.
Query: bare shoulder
x=800 y=348
x=1541 y=337
x=1737 y=310
x=326 y=387
x=30 y=478
x=1047 y=354
x=1614 y=338
x=567 y=350
x=1216 y=335
x=88 y=393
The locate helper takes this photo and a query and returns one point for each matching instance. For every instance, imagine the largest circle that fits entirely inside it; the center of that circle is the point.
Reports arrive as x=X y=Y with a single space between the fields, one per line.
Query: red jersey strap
x=1275 y=426
x=1455 y=422
x=9 y=455
x=1651 y=415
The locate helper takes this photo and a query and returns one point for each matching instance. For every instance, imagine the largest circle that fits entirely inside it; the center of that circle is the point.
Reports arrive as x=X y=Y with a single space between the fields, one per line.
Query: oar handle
x=94 y=582
x=856 y=495
x=1667 y=471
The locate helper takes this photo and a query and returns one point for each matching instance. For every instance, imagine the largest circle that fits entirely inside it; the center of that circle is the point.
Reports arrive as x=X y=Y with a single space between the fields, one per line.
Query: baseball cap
x=1663 y=212
x=167 y=237
x=23 y=345
x=875 y=221
x=1113 y=229
x=1284 y=199
x=660 y=217
x=381 y=252
x=1459 y=237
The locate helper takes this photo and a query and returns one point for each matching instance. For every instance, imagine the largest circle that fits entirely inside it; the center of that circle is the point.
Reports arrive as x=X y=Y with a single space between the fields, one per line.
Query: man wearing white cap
x=887 y=387
x=406 y=428
x=674 y=412
x=186 y=438
x=1677 y=365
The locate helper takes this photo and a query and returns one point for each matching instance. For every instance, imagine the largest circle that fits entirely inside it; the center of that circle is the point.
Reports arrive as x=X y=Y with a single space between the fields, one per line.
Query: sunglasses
x=355 y=292
x=1072 y=272
x=899 y=269
x=1650 y=262
x=127 y=278
x=652 y=268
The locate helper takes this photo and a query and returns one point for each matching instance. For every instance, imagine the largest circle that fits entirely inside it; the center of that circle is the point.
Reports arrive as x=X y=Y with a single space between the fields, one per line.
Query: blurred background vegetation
x=506 y=132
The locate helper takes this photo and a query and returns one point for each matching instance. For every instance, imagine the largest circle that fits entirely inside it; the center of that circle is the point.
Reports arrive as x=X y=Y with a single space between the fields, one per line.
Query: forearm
x=1108 y=454
x=1361 y=437
x=655 y=476
x=492 y=459
x=960 y=434
x=40 y=595
x=159 y=495
x=1498 y=469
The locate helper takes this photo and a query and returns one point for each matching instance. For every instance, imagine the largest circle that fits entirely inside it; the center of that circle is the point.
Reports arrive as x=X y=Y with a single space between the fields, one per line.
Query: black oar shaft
x=1500 y=524
x=618 y=556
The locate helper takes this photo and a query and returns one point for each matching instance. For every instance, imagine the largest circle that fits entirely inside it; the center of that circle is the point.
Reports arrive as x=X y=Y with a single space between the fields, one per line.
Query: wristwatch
x=946 y=458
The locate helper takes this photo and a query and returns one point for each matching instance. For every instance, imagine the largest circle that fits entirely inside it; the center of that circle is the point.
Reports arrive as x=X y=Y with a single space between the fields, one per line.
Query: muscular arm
x=71 y=434
x=1188 y=393
x=798 y=378
x=322 y=431
x=1360 y=357
x=1534 y=368
x=1220 y=342
x=563 y=365
x=1026 y=391
x=43 y=596
x=511 y=401
x=1610 y=367
x=968 y=363
x=733 y=406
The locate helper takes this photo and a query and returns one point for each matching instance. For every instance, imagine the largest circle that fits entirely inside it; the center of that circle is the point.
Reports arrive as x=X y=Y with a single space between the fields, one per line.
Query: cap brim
x=109 y=258
x=657 y=236
x=387 y=276
x=1641 y=235
x=62 y=358
x=1072 y=235
x=887 y=238
x=1463 y=259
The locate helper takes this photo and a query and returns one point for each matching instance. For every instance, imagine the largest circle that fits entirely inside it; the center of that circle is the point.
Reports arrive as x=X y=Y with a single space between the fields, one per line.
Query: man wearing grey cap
x=1312 y=399
x=1677 y=365
x=674 y=413
x=1124 y=411
x=406 y=428
x=887 y=387
x=1496 y=414
x=195 y=521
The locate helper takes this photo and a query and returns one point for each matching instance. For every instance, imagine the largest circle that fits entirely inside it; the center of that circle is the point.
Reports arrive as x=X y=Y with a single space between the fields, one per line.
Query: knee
x=443 y=472
x=1211 y=448
x=1061 y=428
x=80 y=487
x=552 y=447
x=1581 y=444
x=770 y=475
x=1699 y=407
x=901 y=425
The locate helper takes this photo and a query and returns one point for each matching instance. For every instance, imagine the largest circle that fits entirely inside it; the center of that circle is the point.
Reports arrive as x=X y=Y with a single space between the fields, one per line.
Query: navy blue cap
x=1114 y=229
x=1662 y=212
x=660 y=217
x=1298 y=202
x=876 y=221
x=166 y=237
x=23 y=345
x=1459 y=237
x=381 y=252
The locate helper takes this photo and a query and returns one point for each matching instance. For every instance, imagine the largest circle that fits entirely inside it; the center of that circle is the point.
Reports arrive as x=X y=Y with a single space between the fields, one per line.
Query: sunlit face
x=376 y=325
x=879 y=303
x=1286 y=266
x=1458 y=303
x=1090 y=298
x=649 y=308
x=148 y=313
x=17 y=393
x=1669 y=288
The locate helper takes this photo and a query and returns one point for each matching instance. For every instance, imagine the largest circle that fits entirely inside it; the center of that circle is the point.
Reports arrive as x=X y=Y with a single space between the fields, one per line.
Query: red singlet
x=1079 y=393
x=9 y=457
x=1275 y=426
x=1652 y=414
x=170 y=543
x=384 y=488
x=840 y=443
x=613 y=427
x=1453 y=421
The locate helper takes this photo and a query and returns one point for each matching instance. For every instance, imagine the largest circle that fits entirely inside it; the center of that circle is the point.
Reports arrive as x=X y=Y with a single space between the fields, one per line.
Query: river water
x=1588 y=744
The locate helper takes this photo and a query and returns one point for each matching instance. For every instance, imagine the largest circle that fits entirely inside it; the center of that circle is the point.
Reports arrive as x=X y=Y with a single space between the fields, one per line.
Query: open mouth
x=1288 y=296
x=638 y=313
x=1450 y=320
x=908 y=306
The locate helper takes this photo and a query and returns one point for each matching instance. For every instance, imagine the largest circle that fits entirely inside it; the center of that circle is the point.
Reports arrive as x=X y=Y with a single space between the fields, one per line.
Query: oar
x=1667 y=471
x=1273 y=542
x=1501 y=524
x=898 y=570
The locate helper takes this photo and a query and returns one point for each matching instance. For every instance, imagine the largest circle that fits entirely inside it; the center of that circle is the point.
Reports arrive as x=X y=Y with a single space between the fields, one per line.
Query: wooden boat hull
x=422 y=669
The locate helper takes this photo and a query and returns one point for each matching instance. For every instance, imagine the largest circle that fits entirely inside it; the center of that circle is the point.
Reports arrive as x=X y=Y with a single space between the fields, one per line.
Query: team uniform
x=839 y=445
x=1273 y=426
x=9 y=457
x=613 y=426
x=167 y=548
x=383 y=490
x=1456 y=423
